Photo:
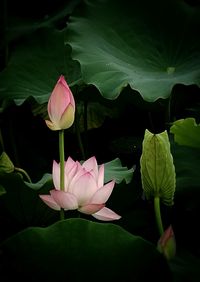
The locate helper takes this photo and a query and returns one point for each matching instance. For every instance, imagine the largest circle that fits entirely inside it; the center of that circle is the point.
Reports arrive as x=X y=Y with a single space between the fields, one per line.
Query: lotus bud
x=167 y=243
x=61 y=106
x=157 y=168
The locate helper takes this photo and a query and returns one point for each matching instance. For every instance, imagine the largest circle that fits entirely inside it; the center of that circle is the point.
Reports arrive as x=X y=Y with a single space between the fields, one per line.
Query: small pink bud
x=61 y=106
x=167 y=243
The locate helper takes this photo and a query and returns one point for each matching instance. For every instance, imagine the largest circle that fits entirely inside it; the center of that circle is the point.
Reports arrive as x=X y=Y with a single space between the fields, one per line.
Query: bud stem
x=158 y=215
x=62 y=166
x=22 y=171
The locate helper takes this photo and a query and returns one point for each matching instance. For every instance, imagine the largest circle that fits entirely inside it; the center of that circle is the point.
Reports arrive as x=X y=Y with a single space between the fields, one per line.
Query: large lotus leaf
x=78 y=249
x=18 y=26
x=186 y=132
x=150 y=45
x=35 y=66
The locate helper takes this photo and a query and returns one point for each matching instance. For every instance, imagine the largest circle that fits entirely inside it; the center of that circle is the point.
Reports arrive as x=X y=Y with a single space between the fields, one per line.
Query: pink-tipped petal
x=102 y=194
x=65 y=200
x=70 y=172
x=58 y=101
x=106 y=214
x=56 y=175
x=69 y=165
x=91 y=208
x=73 y=175
x=49 y=201
x=65 y=85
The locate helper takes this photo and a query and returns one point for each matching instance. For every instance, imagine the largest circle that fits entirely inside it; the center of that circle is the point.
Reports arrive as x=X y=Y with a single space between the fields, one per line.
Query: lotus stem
x=158 y=215
x=62 y=166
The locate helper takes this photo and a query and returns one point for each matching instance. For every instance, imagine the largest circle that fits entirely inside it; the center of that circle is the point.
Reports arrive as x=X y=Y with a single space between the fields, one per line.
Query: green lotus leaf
x=157 y=167
x=186 y=132
x=35 y=66
x=115 y=171
x=78 y=249
x=149 y=45
x=17 y=27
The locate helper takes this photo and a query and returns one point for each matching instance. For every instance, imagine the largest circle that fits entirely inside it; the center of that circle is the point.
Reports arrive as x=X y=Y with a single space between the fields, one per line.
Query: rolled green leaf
x=157 y=169
x=6 y=165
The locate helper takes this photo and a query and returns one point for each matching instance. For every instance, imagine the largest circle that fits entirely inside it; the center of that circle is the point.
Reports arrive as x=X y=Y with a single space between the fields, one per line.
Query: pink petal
x=65 y=200
x=106 y=215
x=73 y=175
x=52 y=125
x=69 y=165
x=49 y=201
x=91 y=164
x=56 y=175
x=80 y=171
x=91 y=208
x=100 y=179
x=70 y=171
x=84 y=188
x=67 y=118
x=102 y=194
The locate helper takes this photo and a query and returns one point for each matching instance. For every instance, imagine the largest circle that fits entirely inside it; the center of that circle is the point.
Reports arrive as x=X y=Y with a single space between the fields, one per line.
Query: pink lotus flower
x=84 y=189
x=61 y=106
